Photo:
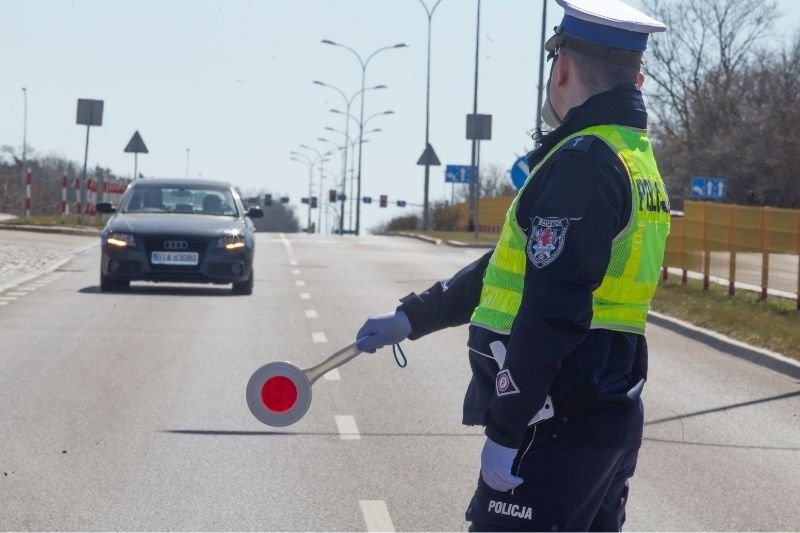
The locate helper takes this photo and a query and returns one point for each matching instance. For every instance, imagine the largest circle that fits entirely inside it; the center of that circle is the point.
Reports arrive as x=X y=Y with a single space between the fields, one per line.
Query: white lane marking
x=305 y=296
x=376 y=515
x=16 y=293
x=288 y=245
x=8 y=298
x=6 y=303
x=347 y=427
x=311 y=313
x=333 y=375
x=29 y=288
x=300 y=283
x=296 y=271
x=319 y=337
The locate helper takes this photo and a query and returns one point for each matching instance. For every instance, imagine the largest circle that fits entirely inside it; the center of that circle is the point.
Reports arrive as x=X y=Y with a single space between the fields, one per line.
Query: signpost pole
x=83 y=180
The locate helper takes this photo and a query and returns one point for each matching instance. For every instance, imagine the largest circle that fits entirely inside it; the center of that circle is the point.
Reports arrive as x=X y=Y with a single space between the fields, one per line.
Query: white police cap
x=604 y=23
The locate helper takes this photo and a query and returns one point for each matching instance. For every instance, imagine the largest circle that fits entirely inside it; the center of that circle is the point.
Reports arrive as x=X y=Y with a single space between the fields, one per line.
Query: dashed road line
x=16 y=293
x=300 y=283
x=6 y=303
x=311 y=313
x=8 y=298
x=293 y=263
x=347 y=427
x=296 y=271
x=376 y=515
x=305 y=296
x=333 y=375
x=319 y=337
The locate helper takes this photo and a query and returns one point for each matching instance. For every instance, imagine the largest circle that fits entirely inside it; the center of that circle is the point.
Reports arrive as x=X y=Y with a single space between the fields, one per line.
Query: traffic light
x=267 y=200
x=367 y=199
x=304 y=200
x=313 y=202
x=284 y=199
x=384 y=200
x=401 y=203
x=332 y=195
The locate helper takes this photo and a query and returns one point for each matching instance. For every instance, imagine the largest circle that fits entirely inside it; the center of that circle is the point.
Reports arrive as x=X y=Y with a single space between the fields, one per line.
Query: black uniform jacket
x=594 y=376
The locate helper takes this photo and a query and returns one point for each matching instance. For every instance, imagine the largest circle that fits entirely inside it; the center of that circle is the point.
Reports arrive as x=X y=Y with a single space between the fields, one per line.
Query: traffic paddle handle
x=334 y=361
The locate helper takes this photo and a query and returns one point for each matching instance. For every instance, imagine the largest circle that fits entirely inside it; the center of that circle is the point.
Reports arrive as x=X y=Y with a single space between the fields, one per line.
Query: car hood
x=172 y=224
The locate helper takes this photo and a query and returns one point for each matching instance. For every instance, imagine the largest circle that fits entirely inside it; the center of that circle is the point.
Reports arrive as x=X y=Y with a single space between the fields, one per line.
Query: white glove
x=496 y=461
x=382 y=330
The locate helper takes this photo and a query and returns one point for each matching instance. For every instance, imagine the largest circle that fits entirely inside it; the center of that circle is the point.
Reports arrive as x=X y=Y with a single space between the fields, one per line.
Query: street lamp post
x=310 y=164
x=361 y=125
x=348 y=102
x=321 y=159
x=363 y=64
x=425 y=211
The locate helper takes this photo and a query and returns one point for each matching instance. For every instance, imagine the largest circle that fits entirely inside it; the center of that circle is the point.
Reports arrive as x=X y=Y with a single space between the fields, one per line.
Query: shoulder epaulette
x=580 y=144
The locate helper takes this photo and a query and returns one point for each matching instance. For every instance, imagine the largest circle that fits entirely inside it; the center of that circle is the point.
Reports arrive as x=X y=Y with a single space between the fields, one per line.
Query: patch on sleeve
x=546 y=241
x=504 y=384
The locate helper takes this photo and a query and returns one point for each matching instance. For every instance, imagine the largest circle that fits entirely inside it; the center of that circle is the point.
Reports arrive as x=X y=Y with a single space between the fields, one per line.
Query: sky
x=231 y=82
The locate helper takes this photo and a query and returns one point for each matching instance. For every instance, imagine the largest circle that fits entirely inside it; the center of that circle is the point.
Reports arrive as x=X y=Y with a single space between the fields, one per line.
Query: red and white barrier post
x=78 y=196
x=64 y=205
x=28 y=180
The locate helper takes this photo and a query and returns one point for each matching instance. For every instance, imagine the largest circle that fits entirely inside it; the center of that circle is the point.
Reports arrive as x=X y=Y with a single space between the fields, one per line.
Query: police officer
x=557 y=310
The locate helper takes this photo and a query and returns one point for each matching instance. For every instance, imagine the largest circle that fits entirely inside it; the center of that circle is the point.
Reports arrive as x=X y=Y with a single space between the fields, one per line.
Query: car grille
x=194 y=245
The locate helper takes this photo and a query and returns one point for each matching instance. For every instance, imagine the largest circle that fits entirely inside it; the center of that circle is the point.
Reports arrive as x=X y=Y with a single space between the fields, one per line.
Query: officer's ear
x=639 y=80
x=562 y=69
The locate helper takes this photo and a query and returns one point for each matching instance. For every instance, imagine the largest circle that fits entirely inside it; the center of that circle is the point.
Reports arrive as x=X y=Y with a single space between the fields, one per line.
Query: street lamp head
x=400 y=45
x=336 y=111
x=389 y=112
x=379 y=87
x=328 y=41
x=317 y=82
x=305 y=146
x=323 y=139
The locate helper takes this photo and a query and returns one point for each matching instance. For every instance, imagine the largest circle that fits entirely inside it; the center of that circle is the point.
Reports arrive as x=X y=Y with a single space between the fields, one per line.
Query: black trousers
x=569 y=486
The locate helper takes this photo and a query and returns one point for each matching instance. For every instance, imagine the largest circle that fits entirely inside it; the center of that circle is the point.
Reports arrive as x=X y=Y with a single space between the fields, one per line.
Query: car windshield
x=198 y=200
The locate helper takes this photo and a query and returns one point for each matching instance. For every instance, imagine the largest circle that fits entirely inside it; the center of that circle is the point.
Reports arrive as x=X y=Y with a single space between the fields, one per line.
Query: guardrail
x=740 y=246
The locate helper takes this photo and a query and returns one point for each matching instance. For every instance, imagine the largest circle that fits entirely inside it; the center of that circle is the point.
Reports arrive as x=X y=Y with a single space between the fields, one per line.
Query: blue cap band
x=604 y=35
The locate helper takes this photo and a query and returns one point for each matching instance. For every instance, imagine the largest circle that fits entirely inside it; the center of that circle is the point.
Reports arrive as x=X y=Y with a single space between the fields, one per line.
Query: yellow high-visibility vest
x=622 y=300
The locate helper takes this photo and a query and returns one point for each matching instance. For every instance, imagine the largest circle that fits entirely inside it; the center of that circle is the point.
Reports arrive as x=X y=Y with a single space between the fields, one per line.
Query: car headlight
x=231 y=241
x=120 y=240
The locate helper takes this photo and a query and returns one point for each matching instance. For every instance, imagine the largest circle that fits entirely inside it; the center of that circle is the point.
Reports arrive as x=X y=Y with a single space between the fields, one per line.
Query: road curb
x=459 y=244
x=419 y=237
x=88 y=232
x=760 y=356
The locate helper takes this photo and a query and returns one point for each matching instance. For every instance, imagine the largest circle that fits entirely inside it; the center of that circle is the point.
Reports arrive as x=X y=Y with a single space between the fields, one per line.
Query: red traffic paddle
x=279 y=393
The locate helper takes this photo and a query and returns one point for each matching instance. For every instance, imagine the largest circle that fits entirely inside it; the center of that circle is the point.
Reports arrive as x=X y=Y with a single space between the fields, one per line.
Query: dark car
x=178 y=230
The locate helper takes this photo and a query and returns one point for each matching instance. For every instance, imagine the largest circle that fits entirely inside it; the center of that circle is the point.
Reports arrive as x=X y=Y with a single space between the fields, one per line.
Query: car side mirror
x=255 y=212
x=105 y=207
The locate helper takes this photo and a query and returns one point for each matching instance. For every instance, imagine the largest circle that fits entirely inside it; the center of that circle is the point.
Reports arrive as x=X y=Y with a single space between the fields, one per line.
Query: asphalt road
x=127 y=411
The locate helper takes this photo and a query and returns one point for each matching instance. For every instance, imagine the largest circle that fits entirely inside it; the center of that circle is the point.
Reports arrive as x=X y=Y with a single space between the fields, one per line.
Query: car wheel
x=245 y=287
x=110 y=285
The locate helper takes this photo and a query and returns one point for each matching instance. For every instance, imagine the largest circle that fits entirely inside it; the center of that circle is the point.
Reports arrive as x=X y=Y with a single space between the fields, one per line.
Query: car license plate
x=174 y=258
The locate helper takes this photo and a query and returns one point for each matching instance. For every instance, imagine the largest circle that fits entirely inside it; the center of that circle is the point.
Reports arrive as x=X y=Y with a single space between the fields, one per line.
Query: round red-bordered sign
x=278 y=394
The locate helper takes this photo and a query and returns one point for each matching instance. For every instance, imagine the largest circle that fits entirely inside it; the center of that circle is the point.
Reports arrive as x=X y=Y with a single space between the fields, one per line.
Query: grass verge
x=71 y=221
x=773 y=323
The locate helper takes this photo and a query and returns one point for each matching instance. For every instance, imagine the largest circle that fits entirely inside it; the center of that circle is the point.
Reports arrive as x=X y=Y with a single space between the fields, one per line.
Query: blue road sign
x=715 y=188
x=519 y=172
x=458 y=174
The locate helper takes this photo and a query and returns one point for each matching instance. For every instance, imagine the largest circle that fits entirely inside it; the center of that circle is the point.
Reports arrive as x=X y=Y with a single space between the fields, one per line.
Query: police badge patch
x=504 y=384
x=546 y=241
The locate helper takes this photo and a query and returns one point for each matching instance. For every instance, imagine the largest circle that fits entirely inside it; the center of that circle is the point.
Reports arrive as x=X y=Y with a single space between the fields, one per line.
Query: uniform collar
x=623 y=105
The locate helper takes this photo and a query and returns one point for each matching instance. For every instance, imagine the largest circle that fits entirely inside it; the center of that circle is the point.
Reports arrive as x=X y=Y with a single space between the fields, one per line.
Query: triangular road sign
x=428 y=157
x=136 y=144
